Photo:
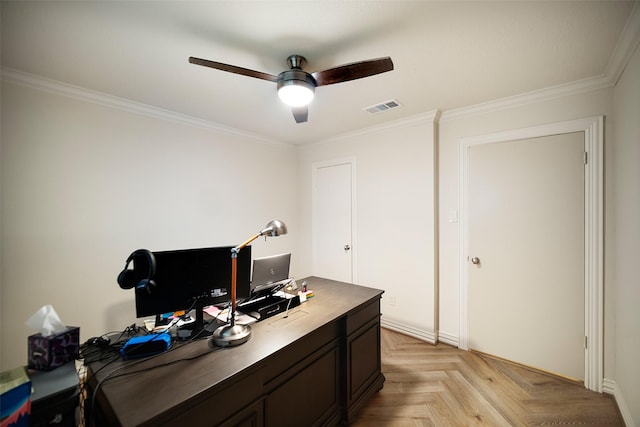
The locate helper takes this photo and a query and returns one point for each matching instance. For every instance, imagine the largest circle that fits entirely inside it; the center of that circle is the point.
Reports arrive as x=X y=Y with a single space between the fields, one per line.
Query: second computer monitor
x=269 y=272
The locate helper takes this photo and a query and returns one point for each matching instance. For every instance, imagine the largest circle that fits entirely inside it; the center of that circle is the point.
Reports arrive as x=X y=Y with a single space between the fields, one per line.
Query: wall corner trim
x=611 y=387
x=33 y=81
x=627 y=44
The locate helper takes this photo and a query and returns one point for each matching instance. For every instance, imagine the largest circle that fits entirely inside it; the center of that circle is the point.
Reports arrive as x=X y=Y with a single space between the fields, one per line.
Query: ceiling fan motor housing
x=296 y=76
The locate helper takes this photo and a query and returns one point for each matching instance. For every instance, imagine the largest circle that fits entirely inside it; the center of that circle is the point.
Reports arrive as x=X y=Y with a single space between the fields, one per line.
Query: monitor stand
x=199 y=328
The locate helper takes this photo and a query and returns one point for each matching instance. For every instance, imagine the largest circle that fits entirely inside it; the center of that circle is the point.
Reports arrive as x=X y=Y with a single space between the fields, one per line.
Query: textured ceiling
x=447 y=55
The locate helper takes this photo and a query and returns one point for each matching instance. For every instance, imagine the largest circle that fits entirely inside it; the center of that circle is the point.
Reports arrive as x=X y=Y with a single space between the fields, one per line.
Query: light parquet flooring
x=439 y=385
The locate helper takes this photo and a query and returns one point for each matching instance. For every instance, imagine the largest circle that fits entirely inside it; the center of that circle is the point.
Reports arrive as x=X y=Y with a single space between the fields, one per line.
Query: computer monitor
x=193 y=278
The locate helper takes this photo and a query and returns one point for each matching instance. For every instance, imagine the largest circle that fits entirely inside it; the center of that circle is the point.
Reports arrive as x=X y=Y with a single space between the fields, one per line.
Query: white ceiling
x=447 y=55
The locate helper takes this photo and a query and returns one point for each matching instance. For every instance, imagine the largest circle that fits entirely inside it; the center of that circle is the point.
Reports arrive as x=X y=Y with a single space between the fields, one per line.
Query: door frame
x=314 y=201
x=593 y=128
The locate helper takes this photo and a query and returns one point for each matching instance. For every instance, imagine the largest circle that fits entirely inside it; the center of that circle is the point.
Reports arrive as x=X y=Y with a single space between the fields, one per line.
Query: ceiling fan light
x=295 y=93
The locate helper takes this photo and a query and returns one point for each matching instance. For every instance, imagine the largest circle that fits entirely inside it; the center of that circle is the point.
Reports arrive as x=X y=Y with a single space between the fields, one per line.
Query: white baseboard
x=428 y=336
x=448 y=338
x=611 y=387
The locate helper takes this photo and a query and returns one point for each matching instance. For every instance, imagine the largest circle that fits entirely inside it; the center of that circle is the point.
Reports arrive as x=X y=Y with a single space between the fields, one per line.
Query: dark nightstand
x=55 y=396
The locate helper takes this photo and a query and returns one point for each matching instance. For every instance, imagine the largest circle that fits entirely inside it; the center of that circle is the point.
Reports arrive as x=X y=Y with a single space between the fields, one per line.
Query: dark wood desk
x=318 y=366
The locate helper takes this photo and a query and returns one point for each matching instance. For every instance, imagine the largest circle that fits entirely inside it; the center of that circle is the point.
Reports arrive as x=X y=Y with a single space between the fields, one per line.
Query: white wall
x=83 y=185
x=395 y=180
x=625 y=235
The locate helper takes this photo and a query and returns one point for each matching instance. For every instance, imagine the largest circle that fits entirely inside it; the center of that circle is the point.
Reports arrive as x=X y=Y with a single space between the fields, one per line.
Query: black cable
x=115 y=351
x=111 y=375
x=94 y=353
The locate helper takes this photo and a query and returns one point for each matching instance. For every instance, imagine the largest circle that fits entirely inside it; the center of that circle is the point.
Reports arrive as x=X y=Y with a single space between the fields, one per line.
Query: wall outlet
x=392 y=300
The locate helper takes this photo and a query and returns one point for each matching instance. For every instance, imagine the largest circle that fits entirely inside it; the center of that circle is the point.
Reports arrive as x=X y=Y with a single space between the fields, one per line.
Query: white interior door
x=526 y=284
x=333 y=237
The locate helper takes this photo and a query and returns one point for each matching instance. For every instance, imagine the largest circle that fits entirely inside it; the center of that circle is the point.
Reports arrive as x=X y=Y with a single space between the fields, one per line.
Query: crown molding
x=626 y=46
x=87 y=95
x=428 y=117
x=559 y=91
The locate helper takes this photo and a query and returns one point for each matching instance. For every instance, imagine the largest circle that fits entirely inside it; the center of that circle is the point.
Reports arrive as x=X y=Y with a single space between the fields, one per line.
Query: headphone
x=128 y=279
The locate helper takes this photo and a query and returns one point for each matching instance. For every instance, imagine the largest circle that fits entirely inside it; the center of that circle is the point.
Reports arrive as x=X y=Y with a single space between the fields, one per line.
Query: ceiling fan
x=296 y=87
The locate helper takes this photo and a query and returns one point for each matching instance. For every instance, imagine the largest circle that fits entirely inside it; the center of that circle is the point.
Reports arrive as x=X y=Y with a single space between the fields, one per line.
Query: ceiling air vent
x=384 y=106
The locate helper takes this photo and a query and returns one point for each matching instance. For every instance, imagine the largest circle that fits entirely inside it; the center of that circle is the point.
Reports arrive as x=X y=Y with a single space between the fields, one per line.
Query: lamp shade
x=296 y=94
x=274 y=228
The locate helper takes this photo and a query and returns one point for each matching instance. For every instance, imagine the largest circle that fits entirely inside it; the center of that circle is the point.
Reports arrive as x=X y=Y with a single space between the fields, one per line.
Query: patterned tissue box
x=47 y=353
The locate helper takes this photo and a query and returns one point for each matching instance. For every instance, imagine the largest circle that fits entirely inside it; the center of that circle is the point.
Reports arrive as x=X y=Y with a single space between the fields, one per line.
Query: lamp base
x=230 y=335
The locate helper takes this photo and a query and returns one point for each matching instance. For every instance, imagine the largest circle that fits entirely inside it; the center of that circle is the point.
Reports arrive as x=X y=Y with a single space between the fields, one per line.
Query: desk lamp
x=232 y=334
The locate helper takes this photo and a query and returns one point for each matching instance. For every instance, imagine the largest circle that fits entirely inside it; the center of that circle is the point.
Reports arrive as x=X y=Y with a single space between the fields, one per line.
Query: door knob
x=475 y=260
x=347 y=247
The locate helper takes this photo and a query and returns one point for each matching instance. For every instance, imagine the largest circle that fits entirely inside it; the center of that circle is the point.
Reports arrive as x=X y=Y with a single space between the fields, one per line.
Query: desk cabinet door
x=363 y=354
x=364 y=371
x=310 y=398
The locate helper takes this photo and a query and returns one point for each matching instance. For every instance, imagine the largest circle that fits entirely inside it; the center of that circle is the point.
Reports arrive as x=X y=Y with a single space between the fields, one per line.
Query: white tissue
x=46 y=321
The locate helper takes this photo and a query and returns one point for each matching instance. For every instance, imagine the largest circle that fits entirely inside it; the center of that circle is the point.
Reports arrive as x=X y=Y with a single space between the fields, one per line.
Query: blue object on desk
x=146 y=345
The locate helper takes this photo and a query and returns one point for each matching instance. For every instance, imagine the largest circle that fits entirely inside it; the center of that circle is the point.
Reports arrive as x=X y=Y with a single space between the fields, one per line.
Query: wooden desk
x=316 y=367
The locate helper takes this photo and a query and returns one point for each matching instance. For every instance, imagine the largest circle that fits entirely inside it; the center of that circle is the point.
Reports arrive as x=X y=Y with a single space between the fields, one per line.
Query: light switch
x=453 y=216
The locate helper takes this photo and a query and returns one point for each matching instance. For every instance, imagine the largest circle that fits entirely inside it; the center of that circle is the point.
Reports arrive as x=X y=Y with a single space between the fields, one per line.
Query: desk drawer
x=283 y=361
x=212 y=408
x=360 y=317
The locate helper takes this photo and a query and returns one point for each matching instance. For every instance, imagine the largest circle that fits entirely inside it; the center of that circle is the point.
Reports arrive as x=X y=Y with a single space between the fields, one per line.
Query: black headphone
x=128 y=279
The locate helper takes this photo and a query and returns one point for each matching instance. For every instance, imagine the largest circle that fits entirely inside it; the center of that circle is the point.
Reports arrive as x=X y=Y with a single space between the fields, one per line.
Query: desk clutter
x=47 y=391
x=331 y=342
x=108 y=347
x=192 y=293
x=223 y=282
x=158 y=334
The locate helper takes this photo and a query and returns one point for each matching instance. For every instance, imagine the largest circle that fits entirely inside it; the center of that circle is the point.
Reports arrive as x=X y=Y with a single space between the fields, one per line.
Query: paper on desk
x=46 y=321
x=241 y=318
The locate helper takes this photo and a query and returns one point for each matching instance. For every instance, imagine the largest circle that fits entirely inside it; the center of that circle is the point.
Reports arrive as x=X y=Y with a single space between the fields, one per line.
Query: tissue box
x=47 y=353
x=15 y=398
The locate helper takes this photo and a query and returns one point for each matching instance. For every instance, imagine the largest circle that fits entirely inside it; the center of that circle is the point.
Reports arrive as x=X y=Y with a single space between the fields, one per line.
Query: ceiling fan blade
x=353 y=71
x=233 y=69
x=301 y=114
